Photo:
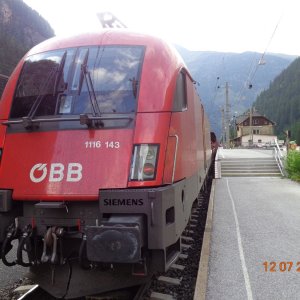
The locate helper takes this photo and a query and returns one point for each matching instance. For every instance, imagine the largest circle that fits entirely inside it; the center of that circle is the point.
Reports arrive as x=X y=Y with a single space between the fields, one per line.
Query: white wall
x=265 y=139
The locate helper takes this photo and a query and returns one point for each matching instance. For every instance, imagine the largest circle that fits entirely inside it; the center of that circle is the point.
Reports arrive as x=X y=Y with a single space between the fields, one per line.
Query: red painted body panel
x=157 y=87
x=187 y=126
x=2 y=135
x=102 y=167
x=152 y=128
x=109 y=168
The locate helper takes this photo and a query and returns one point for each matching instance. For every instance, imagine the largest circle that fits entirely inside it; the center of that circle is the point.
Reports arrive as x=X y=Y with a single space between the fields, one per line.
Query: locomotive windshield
x=77 y=81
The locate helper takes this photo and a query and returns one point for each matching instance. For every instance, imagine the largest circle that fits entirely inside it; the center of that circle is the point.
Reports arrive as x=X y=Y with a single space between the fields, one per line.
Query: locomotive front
x=88 y=162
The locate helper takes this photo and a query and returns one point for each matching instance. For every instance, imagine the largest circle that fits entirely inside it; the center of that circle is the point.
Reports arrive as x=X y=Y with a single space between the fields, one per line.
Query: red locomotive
x=104 y=148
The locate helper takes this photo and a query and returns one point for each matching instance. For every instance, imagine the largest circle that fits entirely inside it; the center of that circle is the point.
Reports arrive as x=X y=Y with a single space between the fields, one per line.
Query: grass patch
x=292 y=165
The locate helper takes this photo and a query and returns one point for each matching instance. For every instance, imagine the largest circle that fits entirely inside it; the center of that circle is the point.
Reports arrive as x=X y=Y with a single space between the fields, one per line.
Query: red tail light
x=149 y=169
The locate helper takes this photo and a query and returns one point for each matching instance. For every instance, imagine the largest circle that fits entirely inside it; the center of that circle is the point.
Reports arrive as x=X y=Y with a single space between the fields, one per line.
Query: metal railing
x=277 y=153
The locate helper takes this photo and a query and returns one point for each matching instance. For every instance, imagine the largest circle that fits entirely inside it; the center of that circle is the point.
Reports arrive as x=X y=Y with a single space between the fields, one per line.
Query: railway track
x=177 y=283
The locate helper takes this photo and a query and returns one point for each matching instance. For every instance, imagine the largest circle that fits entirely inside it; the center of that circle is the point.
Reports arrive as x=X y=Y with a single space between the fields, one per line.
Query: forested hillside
x=281 y=102
x=20 y=29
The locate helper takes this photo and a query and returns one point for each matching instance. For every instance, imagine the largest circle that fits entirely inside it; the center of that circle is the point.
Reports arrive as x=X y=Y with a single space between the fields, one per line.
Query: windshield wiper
x=85 y=74
x=59 y=73
x=134 y=85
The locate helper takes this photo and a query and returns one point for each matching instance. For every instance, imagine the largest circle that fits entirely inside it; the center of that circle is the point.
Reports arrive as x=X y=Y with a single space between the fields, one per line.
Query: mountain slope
x=281 y=102
x=20 y=29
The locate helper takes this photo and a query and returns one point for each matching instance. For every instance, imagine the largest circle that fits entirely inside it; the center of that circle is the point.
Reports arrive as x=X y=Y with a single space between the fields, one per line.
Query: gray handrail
x=277 y=153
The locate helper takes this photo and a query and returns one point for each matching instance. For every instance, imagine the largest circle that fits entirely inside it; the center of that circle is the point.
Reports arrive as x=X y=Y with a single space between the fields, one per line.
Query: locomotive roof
x=104 y=37
x=161 y=65
x=113 y=37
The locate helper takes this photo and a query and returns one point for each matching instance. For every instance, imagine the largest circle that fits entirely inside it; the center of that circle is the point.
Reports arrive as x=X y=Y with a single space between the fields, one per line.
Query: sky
x=270 y=26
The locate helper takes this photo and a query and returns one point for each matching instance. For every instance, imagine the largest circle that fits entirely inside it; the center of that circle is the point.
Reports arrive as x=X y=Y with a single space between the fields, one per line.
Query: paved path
x=255 y=220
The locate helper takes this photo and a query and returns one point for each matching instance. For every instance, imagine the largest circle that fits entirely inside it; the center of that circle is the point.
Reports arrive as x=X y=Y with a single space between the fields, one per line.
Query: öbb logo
x=56 y=174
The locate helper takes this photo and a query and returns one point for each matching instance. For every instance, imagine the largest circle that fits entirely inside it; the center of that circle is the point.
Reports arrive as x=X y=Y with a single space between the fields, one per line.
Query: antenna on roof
x=108 y=20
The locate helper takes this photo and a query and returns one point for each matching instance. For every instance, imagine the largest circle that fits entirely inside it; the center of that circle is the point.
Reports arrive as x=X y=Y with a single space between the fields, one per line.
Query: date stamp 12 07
x=281 y=266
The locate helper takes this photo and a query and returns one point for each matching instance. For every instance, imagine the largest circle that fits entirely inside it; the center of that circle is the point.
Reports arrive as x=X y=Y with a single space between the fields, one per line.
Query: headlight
x=143 y=163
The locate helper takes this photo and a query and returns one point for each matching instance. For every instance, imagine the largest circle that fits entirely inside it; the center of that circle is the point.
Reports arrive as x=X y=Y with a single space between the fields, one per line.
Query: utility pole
x=251 y=129
x=287 y=140
x=223 y=127
x=227 y=116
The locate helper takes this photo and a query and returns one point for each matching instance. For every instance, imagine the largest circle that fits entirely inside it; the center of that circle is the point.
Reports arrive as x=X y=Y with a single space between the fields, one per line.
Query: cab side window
x=180 y=96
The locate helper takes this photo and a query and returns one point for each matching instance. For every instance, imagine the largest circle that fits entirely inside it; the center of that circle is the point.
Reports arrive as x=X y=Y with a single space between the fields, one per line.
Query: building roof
x=246 y=115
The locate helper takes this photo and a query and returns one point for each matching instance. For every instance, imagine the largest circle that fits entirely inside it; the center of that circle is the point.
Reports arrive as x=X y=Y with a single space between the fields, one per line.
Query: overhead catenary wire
x=272 y=36
x=247 y=82
x=256 y=63
x=261 y=60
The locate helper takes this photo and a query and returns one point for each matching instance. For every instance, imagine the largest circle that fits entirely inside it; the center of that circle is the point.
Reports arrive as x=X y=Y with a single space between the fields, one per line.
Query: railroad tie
x=160 y=296
x=192 y=225
x=185 y=246
x=169 y=280
x=178 y=267
x=189 y=231
x=187 y=238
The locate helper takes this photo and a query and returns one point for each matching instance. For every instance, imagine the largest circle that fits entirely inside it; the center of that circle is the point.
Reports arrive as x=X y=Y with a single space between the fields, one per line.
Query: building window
x=255 y=131
x=255 y=121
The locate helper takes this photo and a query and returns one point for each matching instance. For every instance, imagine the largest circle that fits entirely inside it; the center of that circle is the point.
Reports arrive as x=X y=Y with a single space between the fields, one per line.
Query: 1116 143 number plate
x=102 y=144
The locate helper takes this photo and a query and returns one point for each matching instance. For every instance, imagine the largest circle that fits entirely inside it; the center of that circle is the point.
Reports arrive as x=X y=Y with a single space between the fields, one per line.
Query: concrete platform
x=255 y=220
x=244 y=153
